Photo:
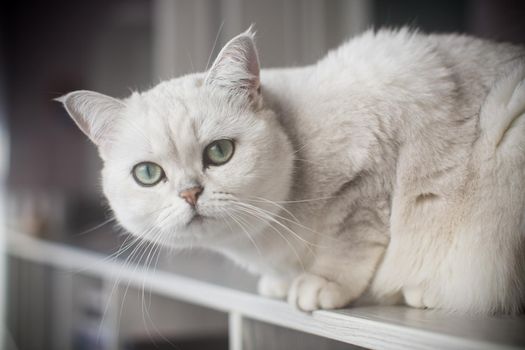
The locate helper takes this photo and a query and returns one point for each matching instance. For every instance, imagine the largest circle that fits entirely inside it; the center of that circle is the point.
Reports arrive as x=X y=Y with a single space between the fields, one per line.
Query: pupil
x=148 y=170
x=219 y=149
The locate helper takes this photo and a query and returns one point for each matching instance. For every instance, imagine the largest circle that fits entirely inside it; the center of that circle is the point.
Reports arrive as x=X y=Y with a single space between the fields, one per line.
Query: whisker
x=121 y=249
x=278 y=206
x=307 y=161
x=191 y=61
x=300 y=148
x=273 y=219
x=145 y=309
x=243 y=228
x=117 y=280
x=144 y=246
x=104 y=223
x=305 y=200
x=214 y=44
x=299 y=259
x=125 y=246
x=145 y=312
x=295 y=222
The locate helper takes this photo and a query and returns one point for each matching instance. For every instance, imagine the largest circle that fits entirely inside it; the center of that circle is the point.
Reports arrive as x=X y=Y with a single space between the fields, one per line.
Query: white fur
x=395 y=166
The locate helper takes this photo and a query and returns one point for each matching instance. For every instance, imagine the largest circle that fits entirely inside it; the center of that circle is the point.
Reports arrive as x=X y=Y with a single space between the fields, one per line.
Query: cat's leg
x=273 y=286
x=338 y=276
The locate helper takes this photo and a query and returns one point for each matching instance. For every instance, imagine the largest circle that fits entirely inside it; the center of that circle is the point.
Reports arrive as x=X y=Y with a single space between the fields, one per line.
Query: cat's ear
x=236 y=68
x=94 y=113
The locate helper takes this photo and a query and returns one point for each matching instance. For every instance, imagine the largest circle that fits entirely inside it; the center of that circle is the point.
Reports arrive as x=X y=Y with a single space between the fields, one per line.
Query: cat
x=393 y=168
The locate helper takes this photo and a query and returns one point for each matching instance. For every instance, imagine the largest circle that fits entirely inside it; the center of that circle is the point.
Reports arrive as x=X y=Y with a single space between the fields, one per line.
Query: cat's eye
x=218 y=152
x=148 y=174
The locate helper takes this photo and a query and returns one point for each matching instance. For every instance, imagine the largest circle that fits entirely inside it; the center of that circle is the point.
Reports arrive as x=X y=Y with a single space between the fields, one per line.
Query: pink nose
x=191 y=195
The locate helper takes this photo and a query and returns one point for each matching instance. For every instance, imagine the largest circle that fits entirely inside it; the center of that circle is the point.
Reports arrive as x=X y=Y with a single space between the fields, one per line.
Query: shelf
x=369 y=327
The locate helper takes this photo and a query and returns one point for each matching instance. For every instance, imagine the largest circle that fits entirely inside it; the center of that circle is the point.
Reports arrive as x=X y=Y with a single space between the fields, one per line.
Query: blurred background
x=50 y=172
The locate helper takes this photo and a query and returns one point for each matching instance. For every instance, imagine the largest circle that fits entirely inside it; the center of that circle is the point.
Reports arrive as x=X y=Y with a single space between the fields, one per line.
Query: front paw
x=311 y=292
x=273 y=287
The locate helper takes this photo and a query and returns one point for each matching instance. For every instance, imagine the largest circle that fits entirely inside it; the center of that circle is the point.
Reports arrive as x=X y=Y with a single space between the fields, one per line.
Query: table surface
x=393 y=327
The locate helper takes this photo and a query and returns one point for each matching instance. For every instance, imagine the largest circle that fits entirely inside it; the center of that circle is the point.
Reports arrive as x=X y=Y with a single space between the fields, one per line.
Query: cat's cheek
x=126 y=219
x=123 y=212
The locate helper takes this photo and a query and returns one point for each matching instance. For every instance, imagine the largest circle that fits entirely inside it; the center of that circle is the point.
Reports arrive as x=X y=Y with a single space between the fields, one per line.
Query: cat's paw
x=311 y=292
x=420 y=298
x=414 y=297
x=273 y=287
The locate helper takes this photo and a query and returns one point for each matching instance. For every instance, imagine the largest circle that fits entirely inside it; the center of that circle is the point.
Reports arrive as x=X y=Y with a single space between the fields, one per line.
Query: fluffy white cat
x=394 y=166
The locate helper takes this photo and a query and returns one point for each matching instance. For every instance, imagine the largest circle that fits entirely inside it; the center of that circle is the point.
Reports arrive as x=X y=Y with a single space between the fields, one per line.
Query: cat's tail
x=502 y=118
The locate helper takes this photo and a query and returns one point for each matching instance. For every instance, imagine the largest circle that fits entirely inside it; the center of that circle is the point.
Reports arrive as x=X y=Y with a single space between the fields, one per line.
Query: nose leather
x=191 y=195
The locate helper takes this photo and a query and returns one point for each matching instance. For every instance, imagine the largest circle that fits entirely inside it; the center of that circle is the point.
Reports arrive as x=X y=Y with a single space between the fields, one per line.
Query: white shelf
x=369 y=327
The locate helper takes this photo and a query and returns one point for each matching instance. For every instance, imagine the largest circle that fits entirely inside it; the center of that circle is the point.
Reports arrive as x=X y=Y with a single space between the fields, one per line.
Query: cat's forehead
x=184 y=97
x=179 y=114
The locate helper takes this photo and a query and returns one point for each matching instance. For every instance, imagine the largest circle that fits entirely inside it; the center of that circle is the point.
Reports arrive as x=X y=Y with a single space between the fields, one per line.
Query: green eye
x=218 y=152
x=148 y=173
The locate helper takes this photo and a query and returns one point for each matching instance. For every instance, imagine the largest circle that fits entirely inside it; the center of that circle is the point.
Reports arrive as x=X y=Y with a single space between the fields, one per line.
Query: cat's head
x=195 y=160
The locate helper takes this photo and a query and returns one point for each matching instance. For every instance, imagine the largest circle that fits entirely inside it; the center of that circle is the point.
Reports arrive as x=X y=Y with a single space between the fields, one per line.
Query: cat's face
x=195 y=160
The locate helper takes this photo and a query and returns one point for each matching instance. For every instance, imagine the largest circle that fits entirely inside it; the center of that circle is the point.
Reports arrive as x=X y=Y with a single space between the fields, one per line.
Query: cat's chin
x=197 y=219
x=193 y=219
x=199 y=225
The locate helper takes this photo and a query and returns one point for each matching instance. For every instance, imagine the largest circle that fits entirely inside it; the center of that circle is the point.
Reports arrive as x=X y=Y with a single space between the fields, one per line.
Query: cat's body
x=396 y=165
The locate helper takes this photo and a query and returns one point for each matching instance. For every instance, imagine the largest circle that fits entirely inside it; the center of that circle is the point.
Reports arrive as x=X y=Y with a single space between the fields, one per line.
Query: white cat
x=394 y=166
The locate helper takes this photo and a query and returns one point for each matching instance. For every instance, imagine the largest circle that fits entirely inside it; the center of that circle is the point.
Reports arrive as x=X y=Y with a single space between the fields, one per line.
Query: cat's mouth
x=196 y=219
